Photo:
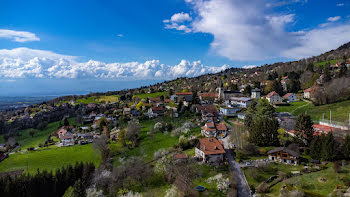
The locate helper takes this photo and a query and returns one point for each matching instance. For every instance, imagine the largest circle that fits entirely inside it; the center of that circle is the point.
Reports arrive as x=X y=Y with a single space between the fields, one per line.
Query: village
x=219 y=131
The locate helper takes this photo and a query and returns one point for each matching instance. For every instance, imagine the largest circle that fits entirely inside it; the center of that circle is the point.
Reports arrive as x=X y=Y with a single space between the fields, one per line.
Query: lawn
x=340 y=110
x=332 y=62
x=152 y=95
x=26 y=141
x=311 y=184
x=50 y=158
x=149 y=146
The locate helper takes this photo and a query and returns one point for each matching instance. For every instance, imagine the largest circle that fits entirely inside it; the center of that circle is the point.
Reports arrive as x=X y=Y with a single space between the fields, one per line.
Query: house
x=241 y=116
x=348 y=63
x=67 y=140
x=155 y=111
x=284 y=82
x=126 y=111
x=284 y=155
x=210 y=150
x=242 y=102
x=65 y=130
x=256 y=93
x=135 y=112
x=209 y=112
x=273 y=97
x=307 y=93
x=224 y=95
x=290 y=97
x=208 y=97
x=229 y=111
x=181 y=96
x=180 y=157
x=210 y=129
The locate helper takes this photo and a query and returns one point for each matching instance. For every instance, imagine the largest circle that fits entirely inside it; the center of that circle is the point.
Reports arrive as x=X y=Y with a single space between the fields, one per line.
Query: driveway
x=242 y=184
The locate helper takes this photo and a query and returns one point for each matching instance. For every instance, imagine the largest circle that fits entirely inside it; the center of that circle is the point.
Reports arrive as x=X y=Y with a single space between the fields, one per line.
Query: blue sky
x=161 y=39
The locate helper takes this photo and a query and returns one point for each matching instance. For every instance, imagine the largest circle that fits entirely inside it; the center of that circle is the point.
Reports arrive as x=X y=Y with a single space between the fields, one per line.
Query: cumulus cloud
x=30 y=63
x=340 y=4
x=18 y=36
x=177 y=21
x=333 y=19
x=251 y=30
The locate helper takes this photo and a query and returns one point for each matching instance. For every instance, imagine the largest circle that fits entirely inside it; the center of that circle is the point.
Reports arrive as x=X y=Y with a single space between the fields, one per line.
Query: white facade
x=229 y=111
x=274 y=99
x=292 y=98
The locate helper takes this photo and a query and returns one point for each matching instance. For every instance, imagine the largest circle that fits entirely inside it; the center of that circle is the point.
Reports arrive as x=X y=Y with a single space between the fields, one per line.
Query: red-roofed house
x=307 y=93
x=155 y=111
x=273 y=97
x=210 y=150
x=290 y=97
x=208 y=112
x=214 y=130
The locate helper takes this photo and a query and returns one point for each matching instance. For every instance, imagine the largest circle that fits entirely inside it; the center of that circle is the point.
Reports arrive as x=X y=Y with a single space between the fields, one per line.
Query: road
x=242 y=184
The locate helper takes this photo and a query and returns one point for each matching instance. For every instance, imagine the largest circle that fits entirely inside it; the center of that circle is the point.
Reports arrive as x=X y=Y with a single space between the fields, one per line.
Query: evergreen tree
x=250 y=113
x=247 y=90
x=328 y=148
x=304 y=127
x=346 y=148
x=277 y=87
x=315 y=147
x=65 y=122
x=78 y=189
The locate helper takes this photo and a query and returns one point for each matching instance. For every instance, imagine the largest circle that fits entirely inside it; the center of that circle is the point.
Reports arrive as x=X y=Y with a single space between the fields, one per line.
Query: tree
x=304 y=127
x=328 y=148
x=100 y=146
x=263 y=131
x=132 y=132
x=316 y=147
x=346 y=148
x=31 y=132
x=42 y=125
x=247 y=90
x=343 y=70
x=78 y=189
x=65 y=122
x=139 y=105
x=294 y=86
x=250 y=113
x=277 y=87
x=336 y=167
x=261 y=123
x=310 y=67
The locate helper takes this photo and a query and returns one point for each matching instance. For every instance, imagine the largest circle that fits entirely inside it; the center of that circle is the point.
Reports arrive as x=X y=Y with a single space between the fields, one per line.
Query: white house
x=67 y=140
x=229 y=111
x=273 y=97
x=256 y=93
x=241 y=101
x=307 y=93
x=210 y=150
x=290 y=97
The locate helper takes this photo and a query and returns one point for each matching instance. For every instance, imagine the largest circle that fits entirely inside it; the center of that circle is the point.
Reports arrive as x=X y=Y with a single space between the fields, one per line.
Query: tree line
x=44 y=183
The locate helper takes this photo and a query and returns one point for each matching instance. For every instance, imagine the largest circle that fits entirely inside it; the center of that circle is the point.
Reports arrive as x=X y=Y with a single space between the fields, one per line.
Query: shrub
x=30 y=148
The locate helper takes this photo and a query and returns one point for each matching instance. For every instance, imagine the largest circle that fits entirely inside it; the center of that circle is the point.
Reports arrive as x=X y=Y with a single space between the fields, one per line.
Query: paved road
x=242 y=184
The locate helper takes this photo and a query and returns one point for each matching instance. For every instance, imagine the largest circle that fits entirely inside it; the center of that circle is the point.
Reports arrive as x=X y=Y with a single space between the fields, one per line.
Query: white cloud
x=340 y=4
x=249 y=66
x=120 y=35
x=30 y=63
x=177 y=21
x=333 y=19
x=250 y=30
x=180 y=17
x=18 y=36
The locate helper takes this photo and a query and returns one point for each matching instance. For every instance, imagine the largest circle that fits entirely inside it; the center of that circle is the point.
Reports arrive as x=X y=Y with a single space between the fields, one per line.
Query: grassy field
x=26 y=141
x=50 y=158
x=148 y=146
x=92 y=99
x=152 y=95
x=332 y=62
x=340 y=110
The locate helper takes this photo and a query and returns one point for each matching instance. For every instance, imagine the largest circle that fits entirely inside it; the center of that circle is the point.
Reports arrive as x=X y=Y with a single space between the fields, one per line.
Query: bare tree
x=100 y=145
x=132 y=132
